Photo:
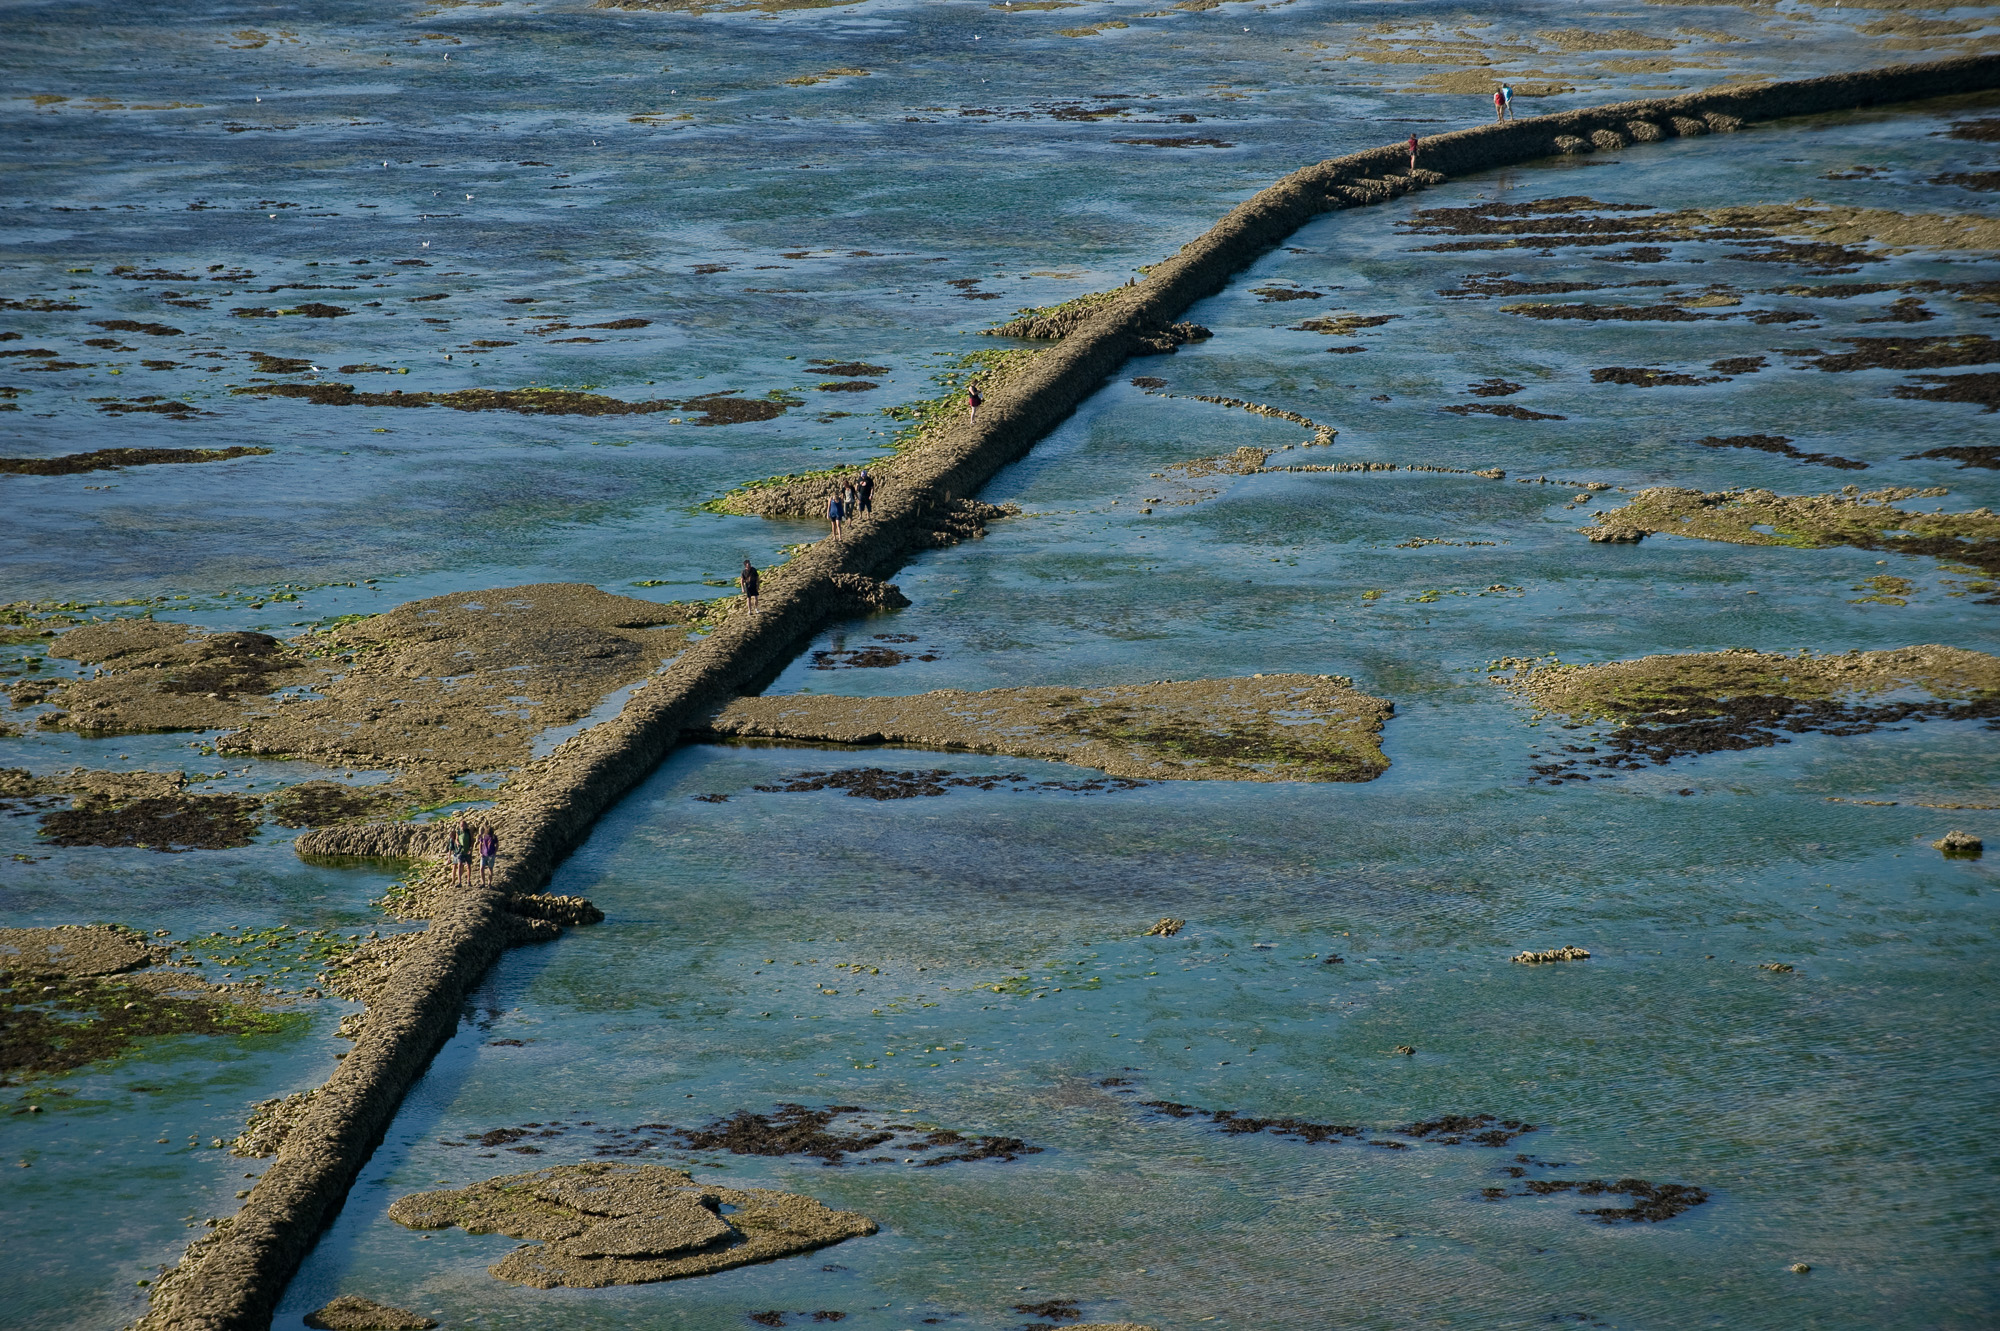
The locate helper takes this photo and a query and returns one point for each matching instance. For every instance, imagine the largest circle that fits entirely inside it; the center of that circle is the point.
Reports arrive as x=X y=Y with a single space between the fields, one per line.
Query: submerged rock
x=1166 y=928
x=613 y=1224
x=351 y=1312
x=1263 y=728
x=1557 y=954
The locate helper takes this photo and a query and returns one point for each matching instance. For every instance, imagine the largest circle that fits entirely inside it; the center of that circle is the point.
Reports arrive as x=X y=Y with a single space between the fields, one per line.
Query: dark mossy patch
x=1647 y=377
x=110 y=459
x=134 y=326
x=1982 y=390
x=167 y=823
x=881 y=783
x=1772 y=443
x=1966 y=455
x=1910 y=353
x=1506 y=409
x=715 y=408
x=1651 y=1202
x=324 y=803
x=172 y=407
x=851 y=369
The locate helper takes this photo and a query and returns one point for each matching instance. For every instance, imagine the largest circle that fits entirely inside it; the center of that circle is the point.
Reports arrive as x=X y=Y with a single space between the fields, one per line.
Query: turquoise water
x=1810 y=1104
x=1835 y=1114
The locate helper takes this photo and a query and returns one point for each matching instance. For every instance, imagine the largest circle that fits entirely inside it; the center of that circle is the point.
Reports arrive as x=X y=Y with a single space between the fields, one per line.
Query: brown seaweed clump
x=1263 y=728
x=1980 y=390
x=1665 y=707
x=714 y=408
x=1651 y=1202
x=601 y=1224
x=111 y=459
x=1865 y=521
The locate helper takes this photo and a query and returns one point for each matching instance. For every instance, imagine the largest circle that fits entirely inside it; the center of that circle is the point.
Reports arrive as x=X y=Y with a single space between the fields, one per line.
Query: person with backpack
x=972 y=401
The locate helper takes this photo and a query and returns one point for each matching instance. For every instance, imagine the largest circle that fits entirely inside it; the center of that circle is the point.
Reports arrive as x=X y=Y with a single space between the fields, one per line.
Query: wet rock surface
x=601 y=1224
x=351 y=1312
x=111 y=459
x=1268 y=728
x=1865 y=521
x=881 y=783
x=435 y=689
x=1668 y=707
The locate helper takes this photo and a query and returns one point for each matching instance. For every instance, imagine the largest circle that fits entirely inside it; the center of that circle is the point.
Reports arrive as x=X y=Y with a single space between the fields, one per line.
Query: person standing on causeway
x=749 y=581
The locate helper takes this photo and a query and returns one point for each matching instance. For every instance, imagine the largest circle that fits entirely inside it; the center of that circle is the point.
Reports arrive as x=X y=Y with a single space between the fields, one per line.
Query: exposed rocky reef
x=1666 y=707
x=437 y=688
x=1865 y=520
x=1261 y=728
x=600 y=1224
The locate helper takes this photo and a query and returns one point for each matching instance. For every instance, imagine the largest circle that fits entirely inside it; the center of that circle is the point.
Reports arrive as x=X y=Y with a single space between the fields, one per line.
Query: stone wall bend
x=232 y=1279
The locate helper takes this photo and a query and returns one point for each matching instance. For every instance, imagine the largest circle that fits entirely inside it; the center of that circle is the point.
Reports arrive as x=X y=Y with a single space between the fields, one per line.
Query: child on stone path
x=834 y=512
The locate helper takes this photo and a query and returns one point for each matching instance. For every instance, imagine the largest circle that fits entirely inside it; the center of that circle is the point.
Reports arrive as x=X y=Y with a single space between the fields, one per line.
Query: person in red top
x=972 y=401
x=1499 y=104
x=1413 y=154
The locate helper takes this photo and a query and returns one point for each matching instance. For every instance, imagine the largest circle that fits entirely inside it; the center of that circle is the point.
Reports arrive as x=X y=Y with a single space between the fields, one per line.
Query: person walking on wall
x=461 y=852
x=1499 y=105
x=749 y=581
x=488 y=847
x=834 y=512
x=864 y=491
x=1413 y=154
x=972 y=401
x=1507 y=99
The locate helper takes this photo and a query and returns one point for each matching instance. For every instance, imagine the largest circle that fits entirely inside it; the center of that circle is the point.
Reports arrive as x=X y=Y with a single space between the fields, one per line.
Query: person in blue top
x=1507 y=99
x=834 y=511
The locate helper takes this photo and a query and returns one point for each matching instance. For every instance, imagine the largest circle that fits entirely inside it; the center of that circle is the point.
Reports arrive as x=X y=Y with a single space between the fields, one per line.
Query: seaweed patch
x=1668 y=707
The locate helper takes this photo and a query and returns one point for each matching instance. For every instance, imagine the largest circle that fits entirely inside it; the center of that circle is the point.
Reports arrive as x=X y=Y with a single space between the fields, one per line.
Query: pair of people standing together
x=463 y=842
x=851 y=500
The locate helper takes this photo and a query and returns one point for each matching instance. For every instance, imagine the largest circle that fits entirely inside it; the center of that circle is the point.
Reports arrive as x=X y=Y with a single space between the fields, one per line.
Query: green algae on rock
x=1865 y=520
x=613 y=1224
x=68 y=999
x=1261 y=728
x=1628 y=690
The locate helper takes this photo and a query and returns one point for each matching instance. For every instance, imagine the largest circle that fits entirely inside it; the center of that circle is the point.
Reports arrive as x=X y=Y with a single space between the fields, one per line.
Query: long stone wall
x=232 y=1279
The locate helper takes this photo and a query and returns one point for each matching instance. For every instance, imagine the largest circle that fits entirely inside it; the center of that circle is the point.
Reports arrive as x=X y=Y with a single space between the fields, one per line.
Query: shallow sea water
x=1811 y=1104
